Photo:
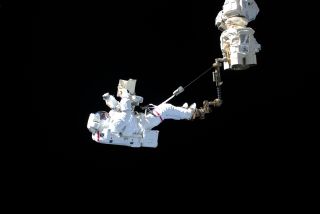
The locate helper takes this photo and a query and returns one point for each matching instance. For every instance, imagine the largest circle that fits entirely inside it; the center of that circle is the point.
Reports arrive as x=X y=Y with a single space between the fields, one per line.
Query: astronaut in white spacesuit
x=123 y=126
x=238 y=44
x=124 y=120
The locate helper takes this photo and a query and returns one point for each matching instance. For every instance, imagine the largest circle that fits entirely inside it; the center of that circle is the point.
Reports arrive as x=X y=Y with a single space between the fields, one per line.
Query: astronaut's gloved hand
x=106 y=96
x=136 y=99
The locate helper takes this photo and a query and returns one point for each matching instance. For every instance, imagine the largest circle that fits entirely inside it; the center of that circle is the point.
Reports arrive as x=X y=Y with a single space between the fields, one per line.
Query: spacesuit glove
x=106 y=96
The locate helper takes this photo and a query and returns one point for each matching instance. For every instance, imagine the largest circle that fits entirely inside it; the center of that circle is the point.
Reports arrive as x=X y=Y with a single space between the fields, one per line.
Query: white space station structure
x=124 y=126
x=238 y=45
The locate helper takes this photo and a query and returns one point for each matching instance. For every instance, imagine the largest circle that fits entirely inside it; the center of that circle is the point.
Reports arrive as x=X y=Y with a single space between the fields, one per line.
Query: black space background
x=81 y=50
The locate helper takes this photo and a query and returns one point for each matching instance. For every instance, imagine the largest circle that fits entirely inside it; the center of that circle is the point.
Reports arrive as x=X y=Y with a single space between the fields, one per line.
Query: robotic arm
x=238 y=45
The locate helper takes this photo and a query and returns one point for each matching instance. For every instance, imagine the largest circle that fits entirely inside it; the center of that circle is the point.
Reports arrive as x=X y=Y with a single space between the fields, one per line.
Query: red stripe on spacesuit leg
x=157 y=113
x=98 y=136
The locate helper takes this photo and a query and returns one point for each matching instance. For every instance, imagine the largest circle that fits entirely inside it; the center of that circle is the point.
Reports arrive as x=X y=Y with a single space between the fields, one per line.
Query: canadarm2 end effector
x=206 y=108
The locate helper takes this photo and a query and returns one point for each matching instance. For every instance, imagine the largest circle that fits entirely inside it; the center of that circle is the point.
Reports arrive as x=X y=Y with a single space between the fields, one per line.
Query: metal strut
x=217 y=79
x=206 y=105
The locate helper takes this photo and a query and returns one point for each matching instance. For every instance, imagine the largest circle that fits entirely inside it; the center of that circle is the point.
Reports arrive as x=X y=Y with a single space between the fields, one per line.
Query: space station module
x=237 y=42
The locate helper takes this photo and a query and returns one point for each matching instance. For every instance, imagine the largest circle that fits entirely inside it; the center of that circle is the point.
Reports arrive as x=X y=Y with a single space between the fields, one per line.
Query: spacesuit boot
x=196 y=112
x=185 y=105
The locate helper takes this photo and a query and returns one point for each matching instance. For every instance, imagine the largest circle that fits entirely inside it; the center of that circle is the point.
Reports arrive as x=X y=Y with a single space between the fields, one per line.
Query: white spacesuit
x=123 y=126
x=238 y=44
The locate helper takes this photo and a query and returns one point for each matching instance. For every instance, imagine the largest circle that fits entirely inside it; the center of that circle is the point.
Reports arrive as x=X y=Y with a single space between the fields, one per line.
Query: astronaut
x=123 y=126
x=238 y=44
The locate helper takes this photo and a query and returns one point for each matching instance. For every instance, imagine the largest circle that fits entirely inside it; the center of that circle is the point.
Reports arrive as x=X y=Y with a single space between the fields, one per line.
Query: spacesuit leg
x=168 y=111
x=164 y=112
x=149 y=121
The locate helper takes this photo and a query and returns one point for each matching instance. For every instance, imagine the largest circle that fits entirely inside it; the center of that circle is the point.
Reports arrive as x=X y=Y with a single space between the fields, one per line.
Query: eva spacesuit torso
x=125 y=123
x=124 y=120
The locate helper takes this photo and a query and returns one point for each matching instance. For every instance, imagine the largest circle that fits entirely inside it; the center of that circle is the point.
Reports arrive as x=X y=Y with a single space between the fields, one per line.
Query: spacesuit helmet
x=103 y=115
x=103 y=118
x=97 y=121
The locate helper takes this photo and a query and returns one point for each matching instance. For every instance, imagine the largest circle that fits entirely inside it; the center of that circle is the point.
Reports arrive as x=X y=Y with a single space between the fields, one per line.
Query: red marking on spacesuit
x=157 y=113
x=98 y=135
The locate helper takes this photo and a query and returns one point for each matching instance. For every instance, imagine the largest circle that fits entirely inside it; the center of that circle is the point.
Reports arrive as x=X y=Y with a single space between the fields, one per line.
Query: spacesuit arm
x=125 y=105
x=111 y=102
